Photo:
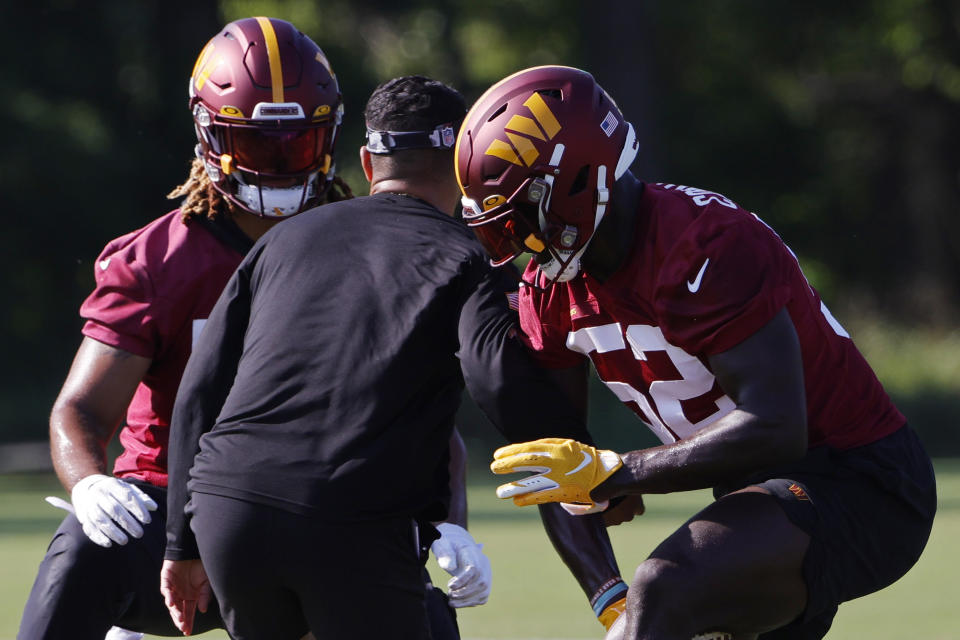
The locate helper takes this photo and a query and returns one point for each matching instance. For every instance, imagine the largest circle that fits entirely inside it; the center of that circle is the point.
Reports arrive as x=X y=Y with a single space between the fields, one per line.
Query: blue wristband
x=607 y=594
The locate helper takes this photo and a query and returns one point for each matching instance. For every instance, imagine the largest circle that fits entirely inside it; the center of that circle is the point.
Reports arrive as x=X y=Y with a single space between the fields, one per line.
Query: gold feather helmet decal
x=521 y=131
x=509 y=154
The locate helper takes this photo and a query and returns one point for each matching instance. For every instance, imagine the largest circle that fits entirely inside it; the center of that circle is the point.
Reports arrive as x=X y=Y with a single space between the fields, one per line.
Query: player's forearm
x=583 y=545
x=763 y=375
x=78 y=444
x=733 y=447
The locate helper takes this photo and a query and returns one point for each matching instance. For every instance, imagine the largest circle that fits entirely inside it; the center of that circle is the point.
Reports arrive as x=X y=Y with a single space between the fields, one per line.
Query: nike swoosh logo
x=695 y=285
x=104 y=264
x=587 y=459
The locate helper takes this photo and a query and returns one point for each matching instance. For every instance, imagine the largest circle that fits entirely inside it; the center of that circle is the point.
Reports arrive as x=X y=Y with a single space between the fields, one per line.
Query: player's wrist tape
x=611 y=591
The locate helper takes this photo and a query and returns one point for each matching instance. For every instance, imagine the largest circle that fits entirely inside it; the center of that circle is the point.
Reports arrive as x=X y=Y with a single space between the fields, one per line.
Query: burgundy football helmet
x=536 y=158
x=266 y=108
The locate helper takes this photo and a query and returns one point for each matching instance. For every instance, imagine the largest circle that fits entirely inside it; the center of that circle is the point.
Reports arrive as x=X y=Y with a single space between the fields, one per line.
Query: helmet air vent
x=498 y=112
x=494 y=177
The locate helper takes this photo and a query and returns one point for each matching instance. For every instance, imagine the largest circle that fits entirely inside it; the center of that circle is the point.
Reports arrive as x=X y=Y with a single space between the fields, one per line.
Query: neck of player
x=613 y=240
x=251 y=224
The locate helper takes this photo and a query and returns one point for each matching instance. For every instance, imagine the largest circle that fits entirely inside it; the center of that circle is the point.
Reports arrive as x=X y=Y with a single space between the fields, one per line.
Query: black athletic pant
x=82 y=589
x=273 y=571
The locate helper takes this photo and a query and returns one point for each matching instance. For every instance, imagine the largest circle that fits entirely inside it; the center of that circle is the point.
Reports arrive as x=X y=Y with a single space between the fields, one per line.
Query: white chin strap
x=561 y=268
x=276 y=203
x=564 y=265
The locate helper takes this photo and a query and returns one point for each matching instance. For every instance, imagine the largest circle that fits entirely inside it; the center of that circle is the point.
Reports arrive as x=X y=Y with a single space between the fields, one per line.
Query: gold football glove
x=565 y=470
x=612 y=612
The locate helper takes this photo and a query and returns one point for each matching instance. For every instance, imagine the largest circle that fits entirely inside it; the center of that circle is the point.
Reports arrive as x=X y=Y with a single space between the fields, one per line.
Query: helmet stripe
x=273 y=56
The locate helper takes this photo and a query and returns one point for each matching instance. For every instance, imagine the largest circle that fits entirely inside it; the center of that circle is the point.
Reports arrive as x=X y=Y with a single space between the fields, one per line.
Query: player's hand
x=110 y=509
x=459 y=555
x=185 y=588
x=565 y=471
x=624 y=509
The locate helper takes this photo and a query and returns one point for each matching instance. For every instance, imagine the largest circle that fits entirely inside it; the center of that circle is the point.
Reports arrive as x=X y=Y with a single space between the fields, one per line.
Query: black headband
x=442 y=136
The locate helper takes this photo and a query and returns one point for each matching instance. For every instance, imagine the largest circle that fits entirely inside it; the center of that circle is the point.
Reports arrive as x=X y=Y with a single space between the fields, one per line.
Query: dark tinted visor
x=278 y=151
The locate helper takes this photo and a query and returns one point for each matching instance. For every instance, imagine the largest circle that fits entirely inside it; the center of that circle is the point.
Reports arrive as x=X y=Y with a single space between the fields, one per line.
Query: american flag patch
x=513 y=300
x=609 y=124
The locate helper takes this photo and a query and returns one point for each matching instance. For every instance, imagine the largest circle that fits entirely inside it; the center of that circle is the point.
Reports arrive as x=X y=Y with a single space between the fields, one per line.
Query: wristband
x=608 y=593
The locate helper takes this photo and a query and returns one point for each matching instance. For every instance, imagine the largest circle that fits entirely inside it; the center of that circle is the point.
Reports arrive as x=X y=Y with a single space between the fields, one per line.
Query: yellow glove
x=566 y=470
x=612 y=612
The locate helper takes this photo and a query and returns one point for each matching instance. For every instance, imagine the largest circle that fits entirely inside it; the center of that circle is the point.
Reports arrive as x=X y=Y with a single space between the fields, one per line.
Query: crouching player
x=698 y=317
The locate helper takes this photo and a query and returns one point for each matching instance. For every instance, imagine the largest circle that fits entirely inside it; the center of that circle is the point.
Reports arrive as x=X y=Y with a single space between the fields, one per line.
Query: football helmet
x=266 y=108
x=535 y=159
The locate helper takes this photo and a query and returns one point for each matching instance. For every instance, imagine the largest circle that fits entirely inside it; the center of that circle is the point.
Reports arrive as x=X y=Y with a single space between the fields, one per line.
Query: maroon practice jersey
x=155 y=289
x=703 y=275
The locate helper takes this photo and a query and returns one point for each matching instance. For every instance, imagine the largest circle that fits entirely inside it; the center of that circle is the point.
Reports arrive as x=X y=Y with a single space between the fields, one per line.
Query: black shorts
x=868 y=512
x=278 y=573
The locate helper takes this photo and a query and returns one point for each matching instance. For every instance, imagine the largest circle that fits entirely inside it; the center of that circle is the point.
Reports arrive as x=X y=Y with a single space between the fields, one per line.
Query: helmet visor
x=278 y=151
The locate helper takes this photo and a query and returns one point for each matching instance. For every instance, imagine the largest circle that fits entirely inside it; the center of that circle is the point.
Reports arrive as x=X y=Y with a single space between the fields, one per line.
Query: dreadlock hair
x=201 y=198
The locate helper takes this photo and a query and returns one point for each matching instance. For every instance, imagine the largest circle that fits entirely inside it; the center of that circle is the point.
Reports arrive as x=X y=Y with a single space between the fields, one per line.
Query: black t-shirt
x=327 y=378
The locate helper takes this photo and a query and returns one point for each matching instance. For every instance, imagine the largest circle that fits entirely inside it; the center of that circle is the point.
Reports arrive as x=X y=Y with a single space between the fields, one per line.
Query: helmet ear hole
x=580 y=182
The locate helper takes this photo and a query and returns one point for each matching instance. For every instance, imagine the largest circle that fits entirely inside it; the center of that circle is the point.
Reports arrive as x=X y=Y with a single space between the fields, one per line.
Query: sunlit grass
x=534 y=596
x=910 y=360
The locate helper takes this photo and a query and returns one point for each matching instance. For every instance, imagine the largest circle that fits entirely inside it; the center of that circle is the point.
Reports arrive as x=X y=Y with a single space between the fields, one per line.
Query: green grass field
x=533 y=594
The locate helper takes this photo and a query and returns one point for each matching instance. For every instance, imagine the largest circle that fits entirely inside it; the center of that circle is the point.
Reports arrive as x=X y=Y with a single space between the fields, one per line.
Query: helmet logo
x=231 y=111
x=322 y=59
x=521 y=130
x=321 y=111
x=492 y=201
x=205 y=70
x=205 y=65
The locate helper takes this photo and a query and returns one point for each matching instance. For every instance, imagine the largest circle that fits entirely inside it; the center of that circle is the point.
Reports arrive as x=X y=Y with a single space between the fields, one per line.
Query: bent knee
x=71 y=547
x=661 y=576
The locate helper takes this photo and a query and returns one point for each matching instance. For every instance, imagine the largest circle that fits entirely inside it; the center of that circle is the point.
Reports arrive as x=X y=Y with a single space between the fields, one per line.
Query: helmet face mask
x=508 y=227
x=266 y=108
x=547 y=140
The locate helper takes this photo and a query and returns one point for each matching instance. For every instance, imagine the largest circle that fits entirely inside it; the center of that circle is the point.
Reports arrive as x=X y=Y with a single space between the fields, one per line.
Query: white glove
x=578 y=509
x=459 y=555
x=109 y=509
x=116 y=633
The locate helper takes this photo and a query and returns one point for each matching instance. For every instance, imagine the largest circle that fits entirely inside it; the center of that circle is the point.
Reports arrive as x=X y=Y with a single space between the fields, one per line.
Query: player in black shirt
x=310 y=433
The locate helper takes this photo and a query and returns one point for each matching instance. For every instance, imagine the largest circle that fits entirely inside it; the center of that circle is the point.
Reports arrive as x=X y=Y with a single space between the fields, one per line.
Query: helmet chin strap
x=273 y=202
x=559 y=270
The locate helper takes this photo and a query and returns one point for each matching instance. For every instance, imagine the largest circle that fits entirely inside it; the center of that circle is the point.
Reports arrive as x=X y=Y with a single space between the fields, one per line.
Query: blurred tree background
x=838 y=123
